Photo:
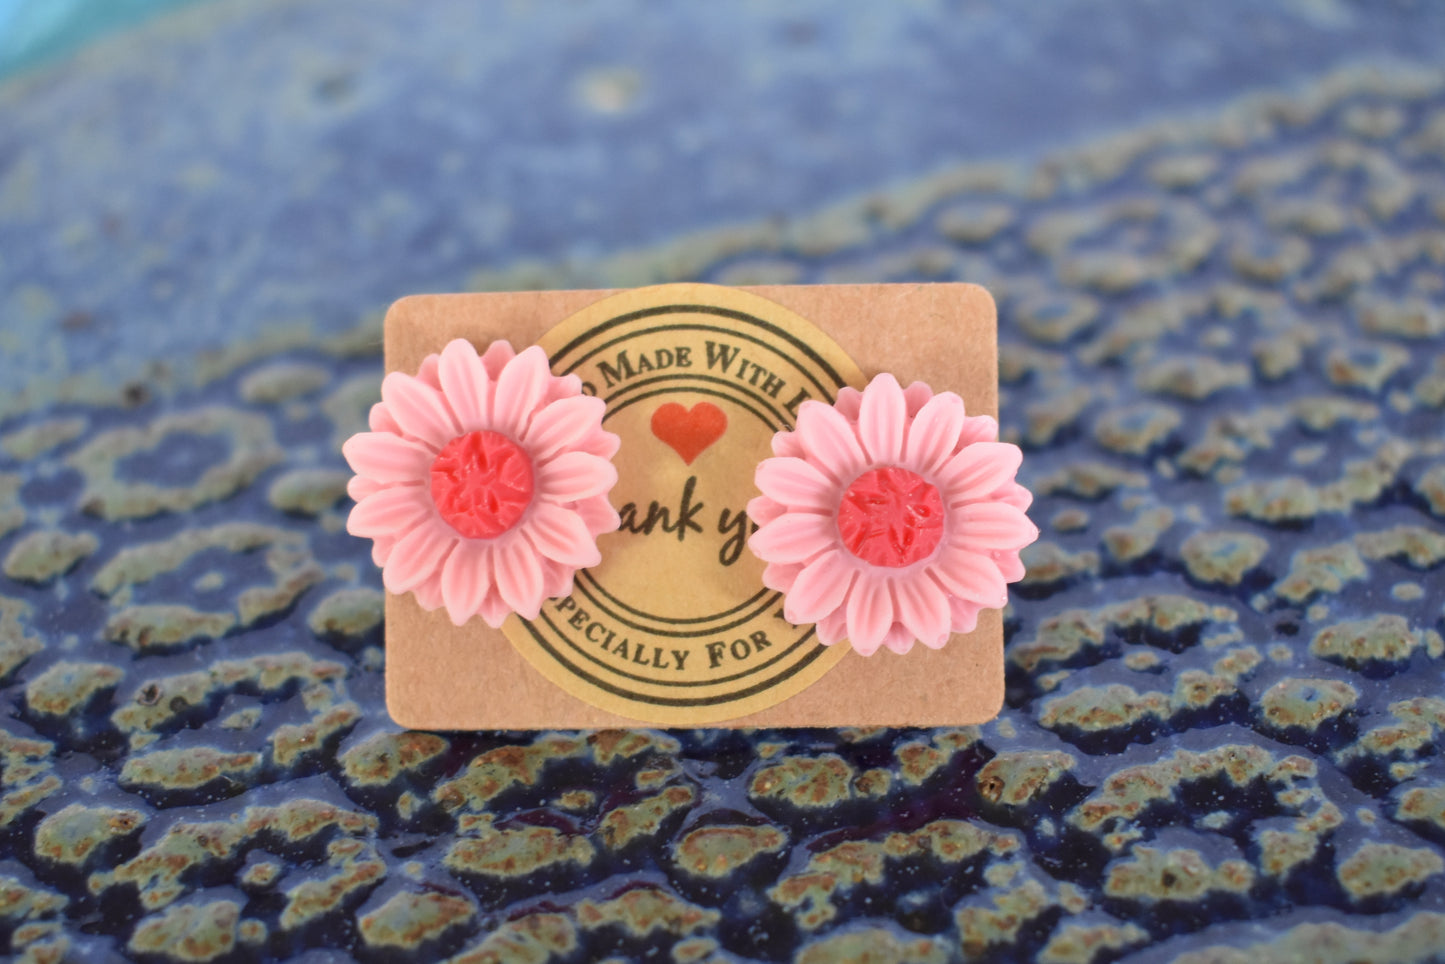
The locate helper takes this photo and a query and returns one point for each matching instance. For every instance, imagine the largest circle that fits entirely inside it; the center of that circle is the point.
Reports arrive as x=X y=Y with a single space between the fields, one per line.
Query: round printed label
x=675 y=625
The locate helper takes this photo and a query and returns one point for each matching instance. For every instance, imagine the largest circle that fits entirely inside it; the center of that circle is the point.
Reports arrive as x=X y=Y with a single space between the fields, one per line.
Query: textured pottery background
x=1221 y=276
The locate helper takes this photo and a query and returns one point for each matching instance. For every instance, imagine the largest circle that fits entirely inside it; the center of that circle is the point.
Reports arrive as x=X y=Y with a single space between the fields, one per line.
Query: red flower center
x=891 y=517
x=481 y=484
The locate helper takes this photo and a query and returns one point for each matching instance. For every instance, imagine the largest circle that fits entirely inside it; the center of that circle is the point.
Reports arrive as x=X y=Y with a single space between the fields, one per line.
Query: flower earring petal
x=891 y=517
x=483 y=481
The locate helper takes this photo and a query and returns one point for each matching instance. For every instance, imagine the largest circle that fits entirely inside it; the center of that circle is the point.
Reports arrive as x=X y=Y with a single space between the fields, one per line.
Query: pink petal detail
x=573 y=476
x=977 y=428
x=418 y=555
x=419 y=409
x=560 y=387
x=388 y=458
x=1015 y=495
x=820 y=589
x=520 y=390
x=964 y=615
x=942 y=642
x=561 y=535
x=1009 y=565
x=970 y=576
x=359 y=487
x=601 y=443
x=870 y=614
x=519 y=575
x=917 y=396
x=787 y=445
x=978 y=470
x=882 y=418
x=426 y=372
x=379 y=420
x=992 y=525
x=796 y=483
x=923 y=608
x=429 y=593
x=561 y=424
x=494 y=609
x=556 y=579
x=762 y=510
x=781 y=575
x=466 y=577
x=794 y=537
x=597 y=515
x=933 y=436
x=829 y=441
x=497 y=355
x=848 y=403
x=381 y=548
x=833 y=629
x=390 y=512
x=465 y=384
x=899 y=639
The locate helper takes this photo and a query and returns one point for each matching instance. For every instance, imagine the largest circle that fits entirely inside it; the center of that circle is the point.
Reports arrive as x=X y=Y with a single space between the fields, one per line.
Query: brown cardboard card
x=675 y=627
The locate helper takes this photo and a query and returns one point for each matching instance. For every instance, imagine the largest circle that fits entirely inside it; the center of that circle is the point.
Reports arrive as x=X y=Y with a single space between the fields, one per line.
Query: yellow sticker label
x=675 y=625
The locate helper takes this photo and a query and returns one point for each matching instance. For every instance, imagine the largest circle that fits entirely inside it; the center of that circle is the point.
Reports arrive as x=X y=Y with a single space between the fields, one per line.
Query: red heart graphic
x=689 y=431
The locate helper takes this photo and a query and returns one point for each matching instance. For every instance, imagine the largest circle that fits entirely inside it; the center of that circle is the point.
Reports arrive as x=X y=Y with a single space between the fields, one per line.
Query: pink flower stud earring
x=483 y=482
x=890 y=517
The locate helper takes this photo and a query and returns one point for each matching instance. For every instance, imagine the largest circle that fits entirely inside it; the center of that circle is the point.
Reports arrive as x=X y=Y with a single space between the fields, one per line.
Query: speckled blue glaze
x=1221 y=350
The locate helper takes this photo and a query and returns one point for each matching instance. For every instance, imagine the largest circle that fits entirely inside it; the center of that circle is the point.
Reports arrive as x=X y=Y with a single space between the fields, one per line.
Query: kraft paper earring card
x=691 y=505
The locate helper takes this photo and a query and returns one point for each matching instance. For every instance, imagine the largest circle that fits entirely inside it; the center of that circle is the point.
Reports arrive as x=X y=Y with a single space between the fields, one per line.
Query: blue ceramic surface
x=1217 y=238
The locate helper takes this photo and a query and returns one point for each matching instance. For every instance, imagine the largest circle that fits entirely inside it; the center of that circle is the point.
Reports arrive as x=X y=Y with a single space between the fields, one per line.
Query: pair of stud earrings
x=888 y=517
